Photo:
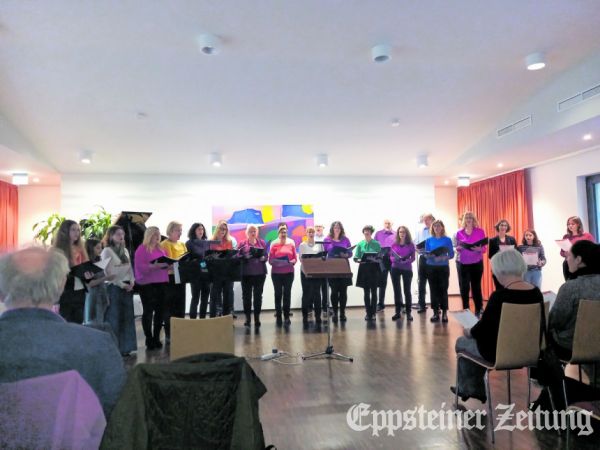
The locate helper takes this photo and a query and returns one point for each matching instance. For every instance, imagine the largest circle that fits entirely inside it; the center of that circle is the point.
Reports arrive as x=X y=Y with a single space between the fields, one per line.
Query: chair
x=208 y=401
x=518 y=346
x=191 y=337
x=586 y=338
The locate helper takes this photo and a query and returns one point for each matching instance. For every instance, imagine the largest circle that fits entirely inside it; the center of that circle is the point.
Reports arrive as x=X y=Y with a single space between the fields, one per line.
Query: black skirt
x=369 y=275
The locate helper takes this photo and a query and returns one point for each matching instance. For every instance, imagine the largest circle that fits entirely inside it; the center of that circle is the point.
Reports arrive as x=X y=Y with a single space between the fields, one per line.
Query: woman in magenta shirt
x=151 y=278
x=470 y=261
x=574 y=233
x=339 y=286
x=402 y=255
x=282 y=257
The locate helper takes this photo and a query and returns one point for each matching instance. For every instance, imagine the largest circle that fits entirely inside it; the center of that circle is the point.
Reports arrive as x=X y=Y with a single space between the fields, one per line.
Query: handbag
x=549 y=371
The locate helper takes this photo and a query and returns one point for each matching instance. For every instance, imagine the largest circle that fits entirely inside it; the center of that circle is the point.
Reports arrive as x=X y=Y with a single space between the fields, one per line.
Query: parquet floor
x=397 y=366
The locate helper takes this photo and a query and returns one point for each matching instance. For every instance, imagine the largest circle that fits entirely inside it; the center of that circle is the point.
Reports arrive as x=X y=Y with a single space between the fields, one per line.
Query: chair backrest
x=518 y=336
x=586 y=340
x=192 y=336
x=54 y=411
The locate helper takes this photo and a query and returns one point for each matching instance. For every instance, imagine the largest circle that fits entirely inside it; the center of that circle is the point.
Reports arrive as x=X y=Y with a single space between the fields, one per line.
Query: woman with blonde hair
x=120 y=289
x=152 y=279
x=254 y=273
x=470 y=261
x=221 y=293
x=438 y=250
x=174 y=249
x=68 y=241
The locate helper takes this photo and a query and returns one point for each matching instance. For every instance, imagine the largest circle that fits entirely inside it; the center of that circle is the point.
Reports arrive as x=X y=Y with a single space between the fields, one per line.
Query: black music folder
x=468 y=246
x=80 y=269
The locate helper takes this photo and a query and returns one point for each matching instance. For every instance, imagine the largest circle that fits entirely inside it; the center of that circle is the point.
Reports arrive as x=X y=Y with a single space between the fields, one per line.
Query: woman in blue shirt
x=438 y=250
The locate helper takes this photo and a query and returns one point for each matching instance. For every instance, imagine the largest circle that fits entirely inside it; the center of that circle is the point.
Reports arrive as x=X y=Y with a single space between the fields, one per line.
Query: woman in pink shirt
x=470 y=261
x=151 y=278
x=574 y=233
x=282 y=258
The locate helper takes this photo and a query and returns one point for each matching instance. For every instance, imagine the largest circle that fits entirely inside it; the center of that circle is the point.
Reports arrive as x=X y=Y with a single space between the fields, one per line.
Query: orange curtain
x=503 y=197
x=9 y=216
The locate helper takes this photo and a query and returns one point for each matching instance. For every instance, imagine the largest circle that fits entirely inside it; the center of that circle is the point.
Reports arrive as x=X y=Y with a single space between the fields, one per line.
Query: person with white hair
x=480 y=340
x=36 y=341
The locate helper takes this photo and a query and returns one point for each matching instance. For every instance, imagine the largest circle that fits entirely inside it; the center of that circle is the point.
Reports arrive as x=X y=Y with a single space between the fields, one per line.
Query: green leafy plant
x=45 y=229
x=96 y=224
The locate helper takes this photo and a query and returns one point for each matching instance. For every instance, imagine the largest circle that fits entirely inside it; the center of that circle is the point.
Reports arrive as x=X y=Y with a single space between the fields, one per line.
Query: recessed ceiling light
x=464 y=181
x=446 y=182
x=322 y=160
x=85 y=156
x=535 y=61
x=36 y=180
x=20 y=178
x=216 y=160
x=587 y=137
x=141 y=115
x=395 y=123
x=422 y=161
x=499 y=165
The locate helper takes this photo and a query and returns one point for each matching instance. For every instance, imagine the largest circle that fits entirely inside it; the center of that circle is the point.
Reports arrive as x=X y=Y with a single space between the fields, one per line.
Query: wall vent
x=578 y=98
x=518 y=125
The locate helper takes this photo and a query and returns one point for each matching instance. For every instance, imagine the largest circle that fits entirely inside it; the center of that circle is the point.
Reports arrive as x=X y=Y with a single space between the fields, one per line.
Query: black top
x=485 y=332
x=494 y=244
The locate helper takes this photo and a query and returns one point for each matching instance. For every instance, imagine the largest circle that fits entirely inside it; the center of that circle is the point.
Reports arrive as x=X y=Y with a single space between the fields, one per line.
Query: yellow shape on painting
x=267 y=214
x=307 y=209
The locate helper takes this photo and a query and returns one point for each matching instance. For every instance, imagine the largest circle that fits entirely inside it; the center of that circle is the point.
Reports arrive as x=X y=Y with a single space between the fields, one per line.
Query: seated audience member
x=583 y=259
x=36 y=341
x=508 y=267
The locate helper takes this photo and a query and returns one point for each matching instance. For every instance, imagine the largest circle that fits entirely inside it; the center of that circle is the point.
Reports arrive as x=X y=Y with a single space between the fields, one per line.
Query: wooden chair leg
x=456 y=383
x=528 y=387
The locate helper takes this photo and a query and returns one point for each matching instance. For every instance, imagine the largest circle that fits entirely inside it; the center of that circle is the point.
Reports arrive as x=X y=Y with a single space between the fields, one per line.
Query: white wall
x=355 y=201
x=446 y=207
x=558 y=192
x=36 y=203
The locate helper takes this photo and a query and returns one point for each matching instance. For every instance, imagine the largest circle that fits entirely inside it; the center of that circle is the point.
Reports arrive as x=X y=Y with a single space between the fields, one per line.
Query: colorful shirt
x=436 y=242
x=385 y=238
x=576 y=237
x=404 y=256
x=366 y=247
x=145 y=273
x=329 y=244
x=279 y=250
x=253 y=266
x=470 y=256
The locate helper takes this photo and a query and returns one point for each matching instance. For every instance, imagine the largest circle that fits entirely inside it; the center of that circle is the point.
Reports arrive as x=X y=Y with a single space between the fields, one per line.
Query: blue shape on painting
x=293 y=211
x=246 y=216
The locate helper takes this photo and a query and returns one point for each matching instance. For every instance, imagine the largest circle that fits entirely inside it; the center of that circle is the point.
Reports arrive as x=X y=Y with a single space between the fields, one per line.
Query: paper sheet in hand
x=503 y=248
x=466 y=318
x=531 y=258
x=564 y=244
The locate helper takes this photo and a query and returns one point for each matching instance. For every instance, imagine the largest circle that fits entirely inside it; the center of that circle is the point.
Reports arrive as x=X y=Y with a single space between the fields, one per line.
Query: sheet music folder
x=328 y=268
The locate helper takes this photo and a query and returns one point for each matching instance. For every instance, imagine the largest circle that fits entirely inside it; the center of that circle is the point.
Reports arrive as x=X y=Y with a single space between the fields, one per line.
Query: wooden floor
x=397 y=366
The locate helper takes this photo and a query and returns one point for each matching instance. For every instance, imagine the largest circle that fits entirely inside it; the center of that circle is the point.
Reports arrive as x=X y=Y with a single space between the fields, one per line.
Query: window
x=593 y=200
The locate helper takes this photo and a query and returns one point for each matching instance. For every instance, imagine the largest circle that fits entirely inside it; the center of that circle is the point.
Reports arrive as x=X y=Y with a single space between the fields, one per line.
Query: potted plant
x=45 y=229
x=96 y=224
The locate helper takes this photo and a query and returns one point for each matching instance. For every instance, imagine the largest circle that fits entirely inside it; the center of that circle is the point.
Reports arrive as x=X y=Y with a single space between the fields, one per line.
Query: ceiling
x=125 y=80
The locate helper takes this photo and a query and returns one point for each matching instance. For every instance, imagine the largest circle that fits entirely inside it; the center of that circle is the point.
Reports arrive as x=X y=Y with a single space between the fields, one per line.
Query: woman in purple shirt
x=402 y=255
x=470 y=261
x=254 y=273
x=151 y=279
x=339 y=286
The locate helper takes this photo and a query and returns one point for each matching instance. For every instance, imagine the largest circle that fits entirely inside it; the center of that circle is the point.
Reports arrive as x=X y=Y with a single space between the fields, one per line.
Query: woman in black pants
x=254 y=273
x=337 y=245
x=197 y=246
x=282 y=258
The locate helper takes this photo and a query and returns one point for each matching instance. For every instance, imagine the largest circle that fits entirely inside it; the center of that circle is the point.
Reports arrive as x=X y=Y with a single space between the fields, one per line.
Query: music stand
x=327 y=268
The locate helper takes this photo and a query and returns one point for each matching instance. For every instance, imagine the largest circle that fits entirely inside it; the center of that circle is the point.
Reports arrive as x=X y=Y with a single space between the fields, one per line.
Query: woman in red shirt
x=282 y=258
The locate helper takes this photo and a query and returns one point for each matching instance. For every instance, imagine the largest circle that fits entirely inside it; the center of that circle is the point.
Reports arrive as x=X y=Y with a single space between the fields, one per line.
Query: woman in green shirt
x=369 y=272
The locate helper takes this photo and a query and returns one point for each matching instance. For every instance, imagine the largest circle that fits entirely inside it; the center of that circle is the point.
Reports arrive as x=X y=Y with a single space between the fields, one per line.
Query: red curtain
x=503 y=197
x=9 y=216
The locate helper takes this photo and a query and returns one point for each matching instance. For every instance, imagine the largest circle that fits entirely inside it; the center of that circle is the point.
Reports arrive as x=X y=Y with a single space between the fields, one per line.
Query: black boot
x=278 y=319
x=248 y=320
x=256 y=319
